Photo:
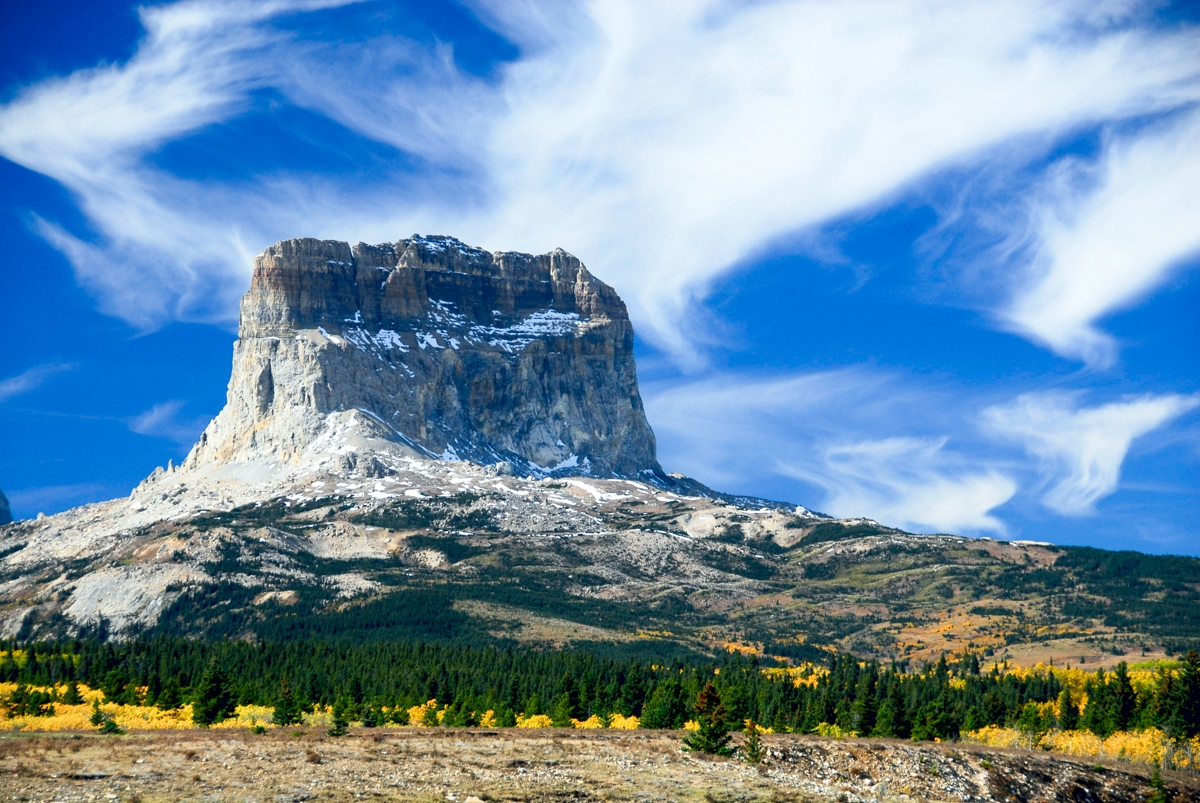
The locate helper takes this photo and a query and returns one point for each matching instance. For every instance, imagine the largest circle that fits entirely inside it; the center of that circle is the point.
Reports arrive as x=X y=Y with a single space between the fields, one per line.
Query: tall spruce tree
x=1068 y=711
x=713 y=734
x=287 y=711
x=213 y=700
x=665 y=708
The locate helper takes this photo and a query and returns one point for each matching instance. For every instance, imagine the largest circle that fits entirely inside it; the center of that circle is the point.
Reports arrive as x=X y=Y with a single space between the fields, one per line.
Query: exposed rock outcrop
x=430 y=348
x=5 y=510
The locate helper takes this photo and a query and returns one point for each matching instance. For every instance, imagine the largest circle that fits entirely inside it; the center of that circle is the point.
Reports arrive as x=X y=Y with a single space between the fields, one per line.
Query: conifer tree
x=1122 y=699
x=753 y=747
x=153 y=689
x=560 y=714
x=213 y=700
x=890 y=721
x=170 y=697
x=863 y=712
x=1096 y=711
x=72 y=696
x=371 y=717
x=1068 y=711
x=97 y=717
x=713 y=734
x=287 y=711
x=341 y=721
x=665 y=708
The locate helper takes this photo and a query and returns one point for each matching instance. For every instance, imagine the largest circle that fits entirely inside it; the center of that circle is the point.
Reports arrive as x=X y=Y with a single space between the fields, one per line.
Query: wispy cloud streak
x=828 y=430
x=165 y=421
x=1103 y=247
x=31 y=380
x=1080 y=449
x=664 y=144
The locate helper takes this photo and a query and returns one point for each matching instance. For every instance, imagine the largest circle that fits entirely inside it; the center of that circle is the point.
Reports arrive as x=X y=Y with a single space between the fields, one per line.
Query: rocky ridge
x=5 y=511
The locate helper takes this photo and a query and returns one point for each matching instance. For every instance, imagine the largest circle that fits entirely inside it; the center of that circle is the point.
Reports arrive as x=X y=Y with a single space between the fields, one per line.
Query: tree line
x=378 y=682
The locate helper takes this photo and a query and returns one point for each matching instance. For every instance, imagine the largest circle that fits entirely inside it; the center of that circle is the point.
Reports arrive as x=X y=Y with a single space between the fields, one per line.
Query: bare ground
x=468 y=766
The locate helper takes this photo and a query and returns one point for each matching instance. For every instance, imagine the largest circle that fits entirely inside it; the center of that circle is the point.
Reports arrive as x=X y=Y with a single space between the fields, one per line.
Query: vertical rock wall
x=436 y=349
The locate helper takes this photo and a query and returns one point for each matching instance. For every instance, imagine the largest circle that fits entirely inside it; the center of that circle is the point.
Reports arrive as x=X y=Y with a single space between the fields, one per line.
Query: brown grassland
x=479 y=765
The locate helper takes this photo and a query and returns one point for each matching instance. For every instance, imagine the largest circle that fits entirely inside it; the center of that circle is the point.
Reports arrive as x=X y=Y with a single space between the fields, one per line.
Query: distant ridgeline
x=385 y=683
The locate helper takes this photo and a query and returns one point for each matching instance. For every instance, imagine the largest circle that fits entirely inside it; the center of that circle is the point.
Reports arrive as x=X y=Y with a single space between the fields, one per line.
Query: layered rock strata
x=430 y=348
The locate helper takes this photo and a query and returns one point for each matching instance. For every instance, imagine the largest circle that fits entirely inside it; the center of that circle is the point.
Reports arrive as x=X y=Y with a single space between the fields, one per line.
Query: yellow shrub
x=534 y=721
x=247 y=716
x=1147 y=747
x=621 y=723
x=488 y=720
x=590 y=723
x=416 y=714
x=691 y=725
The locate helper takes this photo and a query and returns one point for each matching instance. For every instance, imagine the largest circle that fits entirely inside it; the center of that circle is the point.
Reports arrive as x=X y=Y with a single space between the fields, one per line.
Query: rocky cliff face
x=5 y=511
x=430 y=348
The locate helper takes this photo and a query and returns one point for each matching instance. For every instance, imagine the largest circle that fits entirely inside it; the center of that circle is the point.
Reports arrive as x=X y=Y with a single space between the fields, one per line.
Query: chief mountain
x=427 y=440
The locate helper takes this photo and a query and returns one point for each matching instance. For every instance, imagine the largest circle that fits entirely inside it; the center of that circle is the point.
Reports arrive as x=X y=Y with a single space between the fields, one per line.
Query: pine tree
x=1158 y=789
x=170 y=697
x=113 y=687
x=97 y=717
x=862 y=711
x=1030 y=723
x=665 y=708
x=286 y=712
x=153 y=689
x=341 y=723
x=753 y=747
x=713 y=735
x=72 y=696
x=1123 y=699
x=213 y=700
x=891 y=721
x=560 y=714
x=1068 y=712
x=1096 y=711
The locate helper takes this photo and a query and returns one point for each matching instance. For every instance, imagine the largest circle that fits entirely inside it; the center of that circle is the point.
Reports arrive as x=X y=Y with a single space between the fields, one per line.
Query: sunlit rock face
x=430 y=348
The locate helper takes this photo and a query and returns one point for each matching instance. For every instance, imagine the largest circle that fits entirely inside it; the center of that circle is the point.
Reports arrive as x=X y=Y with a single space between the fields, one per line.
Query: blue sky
x=931 y=263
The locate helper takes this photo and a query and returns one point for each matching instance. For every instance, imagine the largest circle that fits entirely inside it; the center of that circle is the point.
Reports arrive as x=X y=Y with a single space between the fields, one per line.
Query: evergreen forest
x=376 y=683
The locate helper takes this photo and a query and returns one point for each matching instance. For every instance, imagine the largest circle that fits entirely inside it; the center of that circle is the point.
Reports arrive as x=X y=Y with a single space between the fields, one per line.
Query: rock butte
x=430 y=348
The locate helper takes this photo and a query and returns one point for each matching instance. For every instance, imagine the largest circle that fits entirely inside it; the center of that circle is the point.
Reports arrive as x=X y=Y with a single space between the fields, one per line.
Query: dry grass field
x=466 y=766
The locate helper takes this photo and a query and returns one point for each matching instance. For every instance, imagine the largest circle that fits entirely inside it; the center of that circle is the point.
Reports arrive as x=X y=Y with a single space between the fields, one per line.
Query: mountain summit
x=349 y=358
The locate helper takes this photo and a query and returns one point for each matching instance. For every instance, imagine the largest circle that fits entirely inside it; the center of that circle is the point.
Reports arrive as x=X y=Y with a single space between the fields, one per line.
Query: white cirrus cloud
x=165 y=420
x=1101 y=248
x=909 y=482
x=662 y=143
x=1080 y=449
x=824 y=429
x=31 y=379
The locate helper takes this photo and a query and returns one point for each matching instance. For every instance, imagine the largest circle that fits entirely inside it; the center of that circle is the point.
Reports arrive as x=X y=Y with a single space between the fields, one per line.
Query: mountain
x=5 y=511
x=426 y=440
x=429 y=348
